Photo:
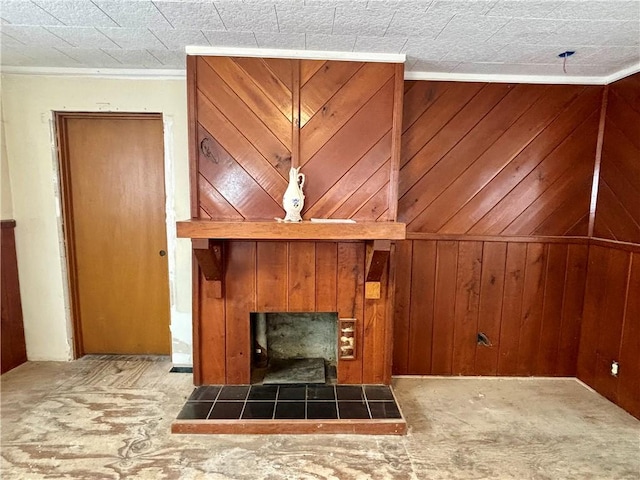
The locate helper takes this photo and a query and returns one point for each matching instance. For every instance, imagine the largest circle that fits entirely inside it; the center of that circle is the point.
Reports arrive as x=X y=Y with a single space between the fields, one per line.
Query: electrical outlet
x=614 y=368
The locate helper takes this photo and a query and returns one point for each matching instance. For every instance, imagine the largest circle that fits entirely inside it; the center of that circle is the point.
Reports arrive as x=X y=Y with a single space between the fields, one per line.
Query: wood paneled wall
x=611 y=325
x=242 y=111
x=346 y=119
x=13 y=349
x=498 y=159
x=290 y=277
x=526 y=297
x=481 y=163
x=253 y=119
x=618 y=207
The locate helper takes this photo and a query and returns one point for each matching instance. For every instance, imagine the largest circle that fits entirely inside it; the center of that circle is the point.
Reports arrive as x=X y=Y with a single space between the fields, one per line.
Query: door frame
x=65 y=199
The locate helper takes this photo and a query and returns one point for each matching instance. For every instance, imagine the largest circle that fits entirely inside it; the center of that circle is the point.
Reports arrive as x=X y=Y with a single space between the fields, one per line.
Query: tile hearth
x=301 y=408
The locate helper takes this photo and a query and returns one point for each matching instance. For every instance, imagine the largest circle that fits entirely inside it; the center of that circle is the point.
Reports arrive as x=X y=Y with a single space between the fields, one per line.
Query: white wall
x=6 y=203
x=28 y=103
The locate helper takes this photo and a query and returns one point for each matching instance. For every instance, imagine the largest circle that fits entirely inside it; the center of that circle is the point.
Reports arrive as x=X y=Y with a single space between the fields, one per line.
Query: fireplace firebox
x=292 y=347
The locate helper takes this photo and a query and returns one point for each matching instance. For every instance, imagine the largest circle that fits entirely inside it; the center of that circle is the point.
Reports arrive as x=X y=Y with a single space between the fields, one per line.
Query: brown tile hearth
x=307 y=408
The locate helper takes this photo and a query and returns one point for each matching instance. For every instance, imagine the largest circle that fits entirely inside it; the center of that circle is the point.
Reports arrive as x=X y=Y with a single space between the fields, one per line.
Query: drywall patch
x=180 y=321
x=57 y=193
x=181 y=340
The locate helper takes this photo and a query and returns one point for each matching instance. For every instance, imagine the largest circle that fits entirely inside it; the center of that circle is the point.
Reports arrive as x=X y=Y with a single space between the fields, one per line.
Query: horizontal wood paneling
x=618 y=202
x=611 y=326
x=492 y=159
x=525 y=297
x=279 y=276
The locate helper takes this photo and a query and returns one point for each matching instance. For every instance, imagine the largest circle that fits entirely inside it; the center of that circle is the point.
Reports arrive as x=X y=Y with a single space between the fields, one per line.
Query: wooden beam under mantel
x=248 y=230
x=208 y=253
x=377 y=260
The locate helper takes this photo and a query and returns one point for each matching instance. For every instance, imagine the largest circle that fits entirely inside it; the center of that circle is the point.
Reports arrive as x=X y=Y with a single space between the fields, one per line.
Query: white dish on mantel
x=332 y=220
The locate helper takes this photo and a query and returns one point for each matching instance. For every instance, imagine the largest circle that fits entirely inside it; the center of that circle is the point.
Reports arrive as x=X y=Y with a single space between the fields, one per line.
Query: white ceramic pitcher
x=293 y=199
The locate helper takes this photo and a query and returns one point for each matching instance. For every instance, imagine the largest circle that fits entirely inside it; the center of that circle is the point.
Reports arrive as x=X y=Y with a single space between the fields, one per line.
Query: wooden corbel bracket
x=208 y=253
x=377 y=259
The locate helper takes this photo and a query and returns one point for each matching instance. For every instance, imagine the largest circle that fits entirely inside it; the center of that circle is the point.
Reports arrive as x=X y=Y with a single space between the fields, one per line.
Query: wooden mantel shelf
x=291 y=231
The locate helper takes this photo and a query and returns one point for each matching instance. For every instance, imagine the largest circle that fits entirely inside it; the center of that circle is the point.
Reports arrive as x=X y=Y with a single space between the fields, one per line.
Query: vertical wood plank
x=597 y=162
x=610 y=323
x=444 y=305
x=326 y=276
x=388 y=317
x=375 y=333
x=295 y=115
x=422 y=287
x=396 y=140
x=629 y=377
x=196 y=323
x=402 y=307
x=351 y=260
x=271 y=277
x=302 y=276
x=192 y=125
x=240 y=283
x=211 y=355
x=595 y=295
x=466 y=307
x=554 y=285
x=572 y=307
x=512 y=308
x=494 y=257
x=13 y=348
x=532 y=306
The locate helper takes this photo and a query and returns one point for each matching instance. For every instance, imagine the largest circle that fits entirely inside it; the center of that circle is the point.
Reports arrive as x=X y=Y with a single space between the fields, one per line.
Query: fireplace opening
x=292 y=348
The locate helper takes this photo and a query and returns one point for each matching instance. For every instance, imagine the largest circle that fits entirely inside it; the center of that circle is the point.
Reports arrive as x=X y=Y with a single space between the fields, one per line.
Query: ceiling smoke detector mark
x=564 y=55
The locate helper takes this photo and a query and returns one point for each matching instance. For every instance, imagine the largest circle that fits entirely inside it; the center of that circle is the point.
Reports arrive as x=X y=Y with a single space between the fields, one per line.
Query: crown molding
x=179 y=74
x=115 y=73
x=297 y=54
x=497 y=78
x=625 y=72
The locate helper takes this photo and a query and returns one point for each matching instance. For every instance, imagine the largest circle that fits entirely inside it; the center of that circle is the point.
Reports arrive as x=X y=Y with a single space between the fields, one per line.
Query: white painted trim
x=623 y=73
x=130 y=74
x=496 y=78
x=159 y=74
x=300 y=54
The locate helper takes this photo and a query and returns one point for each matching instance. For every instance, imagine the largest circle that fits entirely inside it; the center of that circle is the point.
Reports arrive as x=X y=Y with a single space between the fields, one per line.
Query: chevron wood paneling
x=618 y=205
x=497 y=159
x=244 y=136
x=346 y=118
x=247 y=137
x=526 y=297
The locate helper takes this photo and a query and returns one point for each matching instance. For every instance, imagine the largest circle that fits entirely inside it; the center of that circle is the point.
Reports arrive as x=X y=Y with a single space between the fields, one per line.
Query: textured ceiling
x=503 y=37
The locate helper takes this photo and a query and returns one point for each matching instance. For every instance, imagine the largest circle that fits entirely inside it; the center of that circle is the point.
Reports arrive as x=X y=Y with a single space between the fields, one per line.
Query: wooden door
x=114 y=199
